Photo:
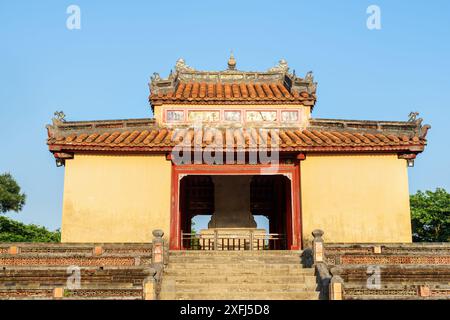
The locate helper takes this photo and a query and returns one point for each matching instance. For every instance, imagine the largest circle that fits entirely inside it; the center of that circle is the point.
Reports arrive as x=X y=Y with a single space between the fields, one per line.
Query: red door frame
x=292 y=171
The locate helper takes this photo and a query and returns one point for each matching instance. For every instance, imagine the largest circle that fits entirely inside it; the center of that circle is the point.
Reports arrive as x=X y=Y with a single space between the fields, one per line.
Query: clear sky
x=101 y=71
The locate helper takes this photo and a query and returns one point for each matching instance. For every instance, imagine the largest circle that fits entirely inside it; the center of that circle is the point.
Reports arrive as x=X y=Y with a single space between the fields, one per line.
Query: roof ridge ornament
x=183 y=73
x=282 y=66
x=60 y=116
x=181 y=66
x=231 y=62
x=155 y=77
x=413 y=116
x=309 y=77
x=421 y=130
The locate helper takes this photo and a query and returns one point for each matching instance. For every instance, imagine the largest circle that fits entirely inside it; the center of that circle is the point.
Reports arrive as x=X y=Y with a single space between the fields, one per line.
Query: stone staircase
x=125 y=271
x=237 y=275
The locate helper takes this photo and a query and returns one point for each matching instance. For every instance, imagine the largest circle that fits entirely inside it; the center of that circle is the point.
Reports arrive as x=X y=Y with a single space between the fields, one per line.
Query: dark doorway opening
x=270 y=196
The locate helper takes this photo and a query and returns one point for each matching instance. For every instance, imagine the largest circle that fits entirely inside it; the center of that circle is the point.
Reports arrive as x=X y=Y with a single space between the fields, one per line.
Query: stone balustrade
x=405 y=253
x=383 y=271
x=75 y=271
x=75 y=248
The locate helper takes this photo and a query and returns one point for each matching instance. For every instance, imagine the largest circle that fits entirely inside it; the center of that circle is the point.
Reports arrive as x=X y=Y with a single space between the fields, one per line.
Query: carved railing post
x=324 y=278
x=150 y=291
x=158 y=247
x=158 y=260
x=318 y=254
x=216 y=239
x=251 y=240
x=336 y=284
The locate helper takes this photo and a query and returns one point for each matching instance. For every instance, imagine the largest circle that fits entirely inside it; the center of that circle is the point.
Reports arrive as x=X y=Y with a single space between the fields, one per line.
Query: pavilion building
x=234 y=144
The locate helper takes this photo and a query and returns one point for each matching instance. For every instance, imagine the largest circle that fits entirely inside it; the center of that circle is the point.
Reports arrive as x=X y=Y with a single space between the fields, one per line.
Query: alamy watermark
x=74 y=279
x=374 y=280
x=212 y=146
x=374 y=19
x=73 y=21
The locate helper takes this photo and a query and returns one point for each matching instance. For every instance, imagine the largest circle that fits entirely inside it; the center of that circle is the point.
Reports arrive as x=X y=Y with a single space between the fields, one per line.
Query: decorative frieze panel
x=379 y=292
x=89 y=293
x=203 y=116
x=388 y=259
x=442 y=249
x=58 y=261
x=175 y=116
x=290 y=116
x=260 y=116
x=251 y=116
x=41 y=293
x=232 y=116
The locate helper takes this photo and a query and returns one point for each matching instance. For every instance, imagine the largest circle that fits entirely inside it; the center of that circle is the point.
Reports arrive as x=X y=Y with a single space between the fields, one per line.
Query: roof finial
x=231 y=62
x=413 y=116
x=60 y=116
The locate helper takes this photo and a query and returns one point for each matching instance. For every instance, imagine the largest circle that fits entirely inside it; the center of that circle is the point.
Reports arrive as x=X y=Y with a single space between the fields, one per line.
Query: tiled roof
x=233 y=93
x=321 y=135
x=189 y=86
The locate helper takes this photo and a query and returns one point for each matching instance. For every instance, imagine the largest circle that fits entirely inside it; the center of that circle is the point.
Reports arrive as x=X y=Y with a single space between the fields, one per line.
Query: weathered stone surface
x=392 y=271
x=233 y=275
x=44 y=271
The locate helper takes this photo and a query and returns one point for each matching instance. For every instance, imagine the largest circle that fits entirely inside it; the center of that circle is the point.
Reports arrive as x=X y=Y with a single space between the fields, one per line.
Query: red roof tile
x=319 y=137
x=232 y=93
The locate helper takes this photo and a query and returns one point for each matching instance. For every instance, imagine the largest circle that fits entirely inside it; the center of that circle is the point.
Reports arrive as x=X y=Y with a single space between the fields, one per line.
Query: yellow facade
x=120 y=198
x=355 y=198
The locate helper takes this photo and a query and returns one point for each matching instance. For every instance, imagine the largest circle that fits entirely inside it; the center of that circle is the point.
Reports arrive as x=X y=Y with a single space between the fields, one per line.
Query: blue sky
x=101 y=71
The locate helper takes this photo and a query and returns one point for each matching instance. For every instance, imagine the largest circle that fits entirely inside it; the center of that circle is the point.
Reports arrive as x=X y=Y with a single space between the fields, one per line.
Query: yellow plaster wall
x=355 y=198
x=115 y=198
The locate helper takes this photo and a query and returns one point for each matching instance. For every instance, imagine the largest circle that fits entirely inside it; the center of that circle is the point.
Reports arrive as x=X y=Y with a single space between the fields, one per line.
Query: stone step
x=242 y=279
x=169 y=286
x=236 y=262
x=239 y=266
x=238 y=271
x=241 y=296
x=238 y=275
x=286 y=260
x=234 y=255
x=218 y=253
